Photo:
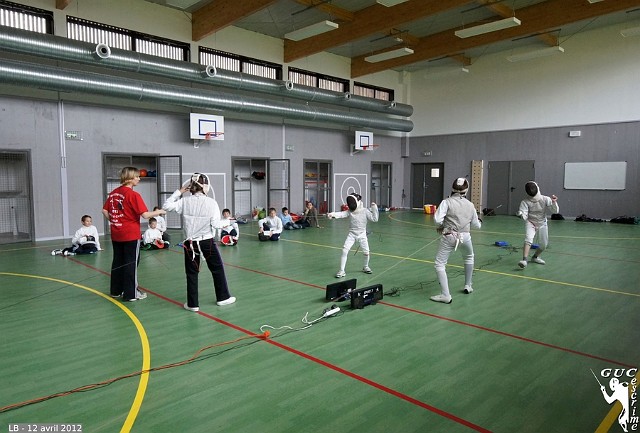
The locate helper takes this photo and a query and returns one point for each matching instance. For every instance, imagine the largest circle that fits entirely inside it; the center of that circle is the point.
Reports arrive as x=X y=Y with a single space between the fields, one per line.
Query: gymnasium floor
x=514 y=356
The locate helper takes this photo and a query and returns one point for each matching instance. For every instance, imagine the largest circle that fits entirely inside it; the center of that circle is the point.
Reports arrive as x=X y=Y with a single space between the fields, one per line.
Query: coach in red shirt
x=123 y=209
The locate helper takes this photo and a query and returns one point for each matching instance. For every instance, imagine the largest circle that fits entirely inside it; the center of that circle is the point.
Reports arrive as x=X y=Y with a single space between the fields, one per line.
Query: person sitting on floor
x=85 y=240
x=230 y=234
x=152 y=237
x=270 y=227
x=287 y=220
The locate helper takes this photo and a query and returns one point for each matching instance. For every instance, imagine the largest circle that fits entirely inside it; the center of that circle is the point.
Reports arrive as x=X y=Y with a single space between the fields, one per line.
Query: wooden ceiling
x=425 y=26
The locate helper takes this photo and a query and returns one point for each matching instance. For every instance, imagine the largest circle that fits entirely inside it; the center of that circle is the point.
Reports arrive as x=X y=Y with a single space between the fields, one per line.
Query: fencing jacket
x=201 y=214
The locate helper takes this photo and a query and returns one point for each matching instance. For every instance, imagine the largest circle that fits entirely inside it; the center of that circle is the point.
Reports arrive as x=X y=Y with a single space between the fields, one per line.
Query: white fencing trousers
x=543 y=235
x=447 y=246
x=363 y=241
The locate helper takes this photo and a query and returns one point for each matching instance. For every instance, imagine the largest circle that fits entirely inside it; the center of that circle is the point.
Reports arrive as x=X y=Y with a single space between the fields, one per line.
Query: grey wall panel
x=550 y=148
x=34 y=125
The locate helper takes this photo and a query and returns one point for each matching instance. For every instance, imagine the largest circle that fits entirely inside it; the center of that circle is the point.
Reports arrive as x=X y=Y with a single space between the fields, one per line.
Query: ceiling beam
x=61 y=4
x=407 y=38
x=461 y=58
x=334 y=11
x=219 y=14
x=366 y=22
x=538 y=18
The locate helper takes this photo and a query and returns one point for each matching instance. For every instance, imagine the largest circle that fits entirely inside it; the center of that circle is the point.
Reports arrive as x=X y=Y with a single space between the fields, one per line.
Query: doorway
x=279 y=184
x=381 y=183
x=317 y=184
x=260 y=182
x=427 y=182
x=16 y=200
x=505 y=184
x=160 y=176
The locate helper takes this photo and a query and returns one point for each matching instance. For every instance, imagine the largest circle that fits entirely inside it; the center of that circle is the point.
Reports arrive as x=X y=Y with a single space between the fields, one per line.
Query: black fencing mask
x=531 y=188
x=352 y=201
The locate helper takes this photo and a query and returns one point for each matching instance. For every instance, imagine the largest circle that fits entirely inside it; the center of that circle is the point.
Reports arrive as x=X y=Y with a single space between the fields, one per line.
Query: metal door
x=249 y=185
x=505 y=184
x=381 y=183
x=427 y=182
x=169 y=179
x=16 y=199
x=279 y=181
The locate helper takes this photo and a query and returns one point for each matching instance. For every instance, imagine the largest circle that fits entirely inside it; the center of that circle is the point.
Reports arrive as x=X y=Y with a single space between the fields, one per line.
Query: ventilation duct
x=59 y=48
x=67 y=80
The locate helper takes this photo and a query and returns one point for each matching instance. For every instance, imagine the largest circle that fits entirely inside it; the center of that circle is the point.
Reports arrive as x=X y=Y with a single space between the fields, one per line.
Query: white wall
x=594 y=81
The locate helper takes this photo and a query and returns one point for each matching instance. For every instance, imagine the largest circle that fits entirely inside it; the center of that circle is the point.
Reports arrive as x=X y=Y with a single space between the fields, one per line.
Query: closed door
x=505 y=184
x=427 y=182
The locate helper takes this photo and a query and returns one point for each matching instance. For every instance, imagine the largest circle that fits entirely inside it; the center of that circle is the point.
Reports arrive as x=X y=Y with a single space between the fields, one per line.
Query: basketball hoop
x=208 y=137
x=364 y=148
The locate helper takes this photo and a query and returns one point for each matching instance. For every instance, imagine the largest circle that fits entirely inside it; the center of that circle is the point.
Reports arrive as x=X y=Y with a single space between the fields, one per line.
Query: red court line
x=319 y=361
x=506 y=334
x=459 y=322
x=423 y=313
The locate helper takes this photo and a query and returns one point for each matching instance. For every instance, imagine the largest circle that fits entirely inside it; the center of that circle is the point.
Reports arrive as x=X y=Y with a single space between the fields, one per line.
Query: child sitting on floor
x=152 y=237
x=85 y=240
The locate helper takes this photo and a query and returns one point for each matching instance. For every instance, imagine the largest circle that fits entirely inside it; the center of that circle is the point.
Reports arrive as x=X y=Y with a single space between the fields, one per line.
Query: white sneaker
x=56 y=252
x=139 y=295
x=537 y=260
x=522 y=264
x=467 y=289
x=367 y=270
x=194 y=309
x=442 y=298
x=341 y=274
x=68 y=253
x=227 y=301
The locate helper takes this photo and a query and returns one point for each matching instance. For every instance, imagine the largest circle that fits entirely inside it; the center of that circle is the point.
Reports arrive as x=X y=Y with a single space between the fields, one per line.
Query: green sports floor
x=516 y=355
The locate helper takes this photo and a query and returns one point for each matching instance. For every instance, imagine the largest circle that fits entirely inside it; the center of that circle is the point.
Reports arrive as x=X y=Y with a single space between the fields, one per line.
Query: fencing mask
x=531 y=188
x=353 y=200
x=460 y=186
x=201 y=180
x=228 y=240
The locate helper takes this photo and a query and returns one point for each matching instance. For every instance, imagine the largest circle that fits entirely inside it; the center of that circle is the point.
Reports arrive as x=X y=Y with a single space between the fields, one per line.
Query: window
x=313 y=79
x=369 y=91
x=234 y=62
x=117 y=37
x=26 y=17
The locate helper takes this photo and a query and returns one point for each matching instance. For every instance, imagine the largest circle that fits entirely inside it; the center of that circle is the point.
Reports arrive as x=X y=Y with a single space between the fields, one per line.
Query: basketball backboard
x=206 y=127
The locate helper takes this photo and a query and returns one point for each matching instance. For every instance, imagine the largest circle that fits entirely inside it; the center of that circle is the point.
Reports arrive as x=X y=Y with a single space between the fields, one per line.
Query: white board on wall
x=595 y=175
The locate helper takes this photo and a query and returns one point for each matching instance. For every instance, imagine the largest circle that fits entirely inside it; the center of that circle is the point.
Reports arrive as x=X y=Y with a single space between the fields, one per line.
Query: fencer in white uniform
x=455 y=216
x=357 y=230
x=533 y=210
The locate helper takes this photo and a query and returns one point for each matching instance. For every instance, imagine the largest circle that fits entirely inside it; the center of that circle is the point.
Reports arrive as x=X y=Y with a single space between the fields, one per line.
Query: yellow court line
x=146 y=351
x=506 y=274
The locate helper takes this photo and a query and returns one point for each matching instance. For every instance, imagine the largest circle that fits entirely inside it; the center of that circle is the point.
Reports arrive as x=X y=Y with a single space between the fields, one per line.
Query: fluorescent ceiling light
x=389 y=3
x=633 y=31
x=380 y=57
x=543 y=52
x=594 y=1
x=312 y=30
x=488 y=27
